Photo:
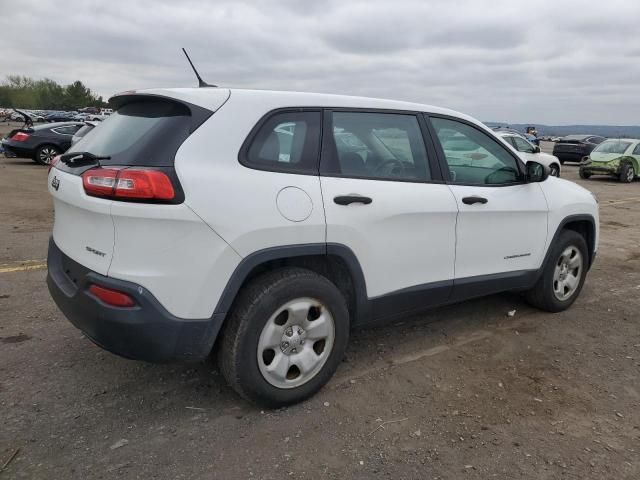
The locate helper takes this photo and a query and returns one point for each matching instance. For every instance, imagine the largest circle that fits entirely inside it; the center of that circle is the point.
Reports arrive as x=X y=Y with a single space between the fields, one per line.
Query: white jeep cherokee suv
x=268 y=224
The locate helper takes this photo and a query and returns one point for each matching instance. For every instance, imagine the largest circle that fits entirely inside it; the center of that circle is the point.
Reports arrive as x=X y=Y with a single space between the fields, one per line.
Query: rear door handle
x=349 y=199
x=472 y=200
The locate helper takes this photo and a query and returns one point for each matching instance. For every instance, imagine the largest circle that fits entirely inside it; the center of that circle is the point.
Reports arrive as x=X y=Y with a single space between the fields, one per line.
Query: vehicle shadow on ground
x=20 y=161
x=201 y=387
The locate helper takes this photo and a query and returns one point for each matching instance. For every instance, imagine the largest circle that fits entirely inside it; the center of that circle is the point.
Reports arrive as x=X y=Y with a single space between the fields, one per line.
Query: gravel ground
x=464 y=391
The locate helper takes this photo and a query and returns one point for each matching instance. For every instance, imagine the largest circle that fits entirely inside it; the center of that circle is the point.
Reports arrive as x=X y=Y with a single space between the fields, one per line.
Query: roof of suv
x=207 y=97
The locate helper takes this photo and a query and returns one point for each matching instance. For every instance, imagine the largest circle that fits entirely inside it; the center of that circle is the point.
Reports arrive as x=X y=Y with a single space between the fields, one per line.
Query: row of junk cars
x=597 y=155
x=44 y=135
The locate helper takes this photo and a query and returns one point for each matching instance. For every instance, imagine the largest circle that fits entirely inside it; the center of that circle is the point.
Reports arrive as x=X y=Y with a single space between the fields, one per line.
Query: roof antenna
x=201 y=83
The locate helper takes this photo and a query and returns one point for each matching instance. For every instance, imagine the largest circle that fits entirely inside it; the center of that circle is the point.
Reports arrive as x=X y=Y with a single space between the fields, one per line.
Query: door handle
x=472 y=200
x=349 y=199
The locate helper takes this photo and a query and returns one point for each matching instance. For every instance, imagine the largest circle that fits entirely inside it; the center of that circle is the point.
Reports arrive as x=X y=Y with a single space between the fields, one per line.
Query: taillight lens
x=54 y=162
x=20 y=137
x=128 y=184
x=111 y=297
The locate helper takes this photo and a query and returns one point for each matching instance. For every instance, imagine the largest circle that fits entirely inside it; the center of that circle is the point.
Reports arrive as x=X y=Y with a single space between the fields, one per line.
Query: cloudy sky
x=543 y=61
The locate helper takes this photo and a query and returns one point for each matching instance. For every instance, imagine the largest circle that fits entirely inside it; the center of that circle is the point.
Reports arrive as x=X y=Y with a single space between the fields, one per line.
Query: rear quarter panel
x=239 y=203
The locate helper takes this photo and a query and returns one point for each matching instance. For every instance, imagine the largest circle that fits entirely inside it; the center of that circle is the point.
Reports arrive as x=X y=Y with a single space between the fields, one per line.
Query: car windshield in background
x=139 y=133
x=612 y=146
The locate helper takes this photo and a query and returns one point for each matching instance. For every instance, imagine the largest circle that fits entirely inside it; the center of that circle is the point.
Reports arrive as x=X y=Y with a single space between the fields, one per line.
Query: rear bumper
x=570 y=156
x=143 y=332
x=16 y=151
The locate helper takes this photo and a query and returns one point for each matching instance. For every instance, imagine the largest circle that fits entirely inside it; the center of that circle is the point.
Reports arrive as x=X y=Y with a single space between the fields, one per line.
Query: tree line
x=19 y=91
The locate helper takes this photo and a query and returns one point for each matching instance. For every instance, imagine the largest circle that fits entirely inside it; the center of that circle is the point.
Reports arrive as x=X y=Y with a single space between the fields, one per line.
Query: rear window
x=612 y=146
x=143 y=133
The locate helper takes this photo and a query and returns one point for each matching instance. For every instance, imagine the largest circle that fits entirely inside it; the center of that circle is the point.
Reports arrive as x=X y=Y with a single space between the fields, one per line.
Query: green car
x=615 y=157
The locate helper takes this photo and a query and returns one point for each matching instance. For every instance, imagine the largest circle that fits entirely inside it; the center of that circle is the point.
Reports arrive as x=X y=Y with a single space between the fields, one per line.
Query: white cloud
x=545 y=61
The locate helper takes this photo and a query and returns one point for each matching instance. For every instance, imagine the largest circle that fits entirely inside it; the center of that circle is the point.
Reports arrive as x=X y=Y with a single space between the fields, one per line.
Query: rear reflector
x=111 y=297
x=20 y=137
x=128 y=184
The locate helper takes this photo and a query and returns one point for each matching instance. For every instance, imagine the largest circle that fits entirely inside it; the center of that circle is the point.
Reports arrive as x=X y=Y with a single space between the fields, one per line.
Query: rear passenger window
x=384 y=146
x=286 y=141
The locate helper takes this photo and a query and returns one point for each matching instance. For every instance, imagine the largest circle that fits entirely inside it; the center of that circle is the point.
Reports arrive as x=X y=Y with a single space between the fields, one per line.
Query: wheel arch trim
x=260 y=257
x=591 y=235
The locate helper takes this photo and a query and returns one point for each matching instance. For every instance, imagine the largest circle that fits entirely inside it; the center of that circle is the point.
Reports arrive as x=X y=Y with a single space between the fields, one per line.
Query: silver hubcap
x=566 y=276
x=47 y=154
x=554 y=171
x=630 y=174
x=295 y=343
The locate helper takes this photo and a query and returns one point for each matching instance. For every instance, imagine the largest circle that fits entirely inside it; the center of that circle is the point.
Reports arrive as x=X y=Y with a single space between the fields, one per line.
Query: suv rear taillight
x=128 y=184
x=20 y=137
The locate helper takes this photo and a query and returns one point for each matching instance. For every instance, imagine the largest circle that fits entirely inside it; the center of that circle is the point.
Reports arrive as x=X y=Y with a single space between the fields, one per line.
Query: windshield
x=612 y=146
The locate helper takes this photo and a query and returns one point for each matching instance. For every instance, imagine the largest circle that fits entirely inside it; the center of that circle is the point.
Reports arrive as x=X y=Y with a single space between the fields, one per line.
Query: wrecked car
x=615 y=157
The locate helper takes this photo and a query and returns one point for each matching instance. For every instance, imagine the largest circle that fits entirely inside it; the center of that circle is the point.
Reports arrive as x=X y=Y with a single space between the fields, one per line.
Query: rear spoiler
x=198 y=114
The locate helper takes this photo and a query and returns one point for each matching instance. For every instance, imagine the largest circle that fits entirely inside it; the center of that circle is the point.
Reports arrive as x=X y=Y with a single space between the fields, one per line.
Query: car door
x=501 y=228
x=385 y=200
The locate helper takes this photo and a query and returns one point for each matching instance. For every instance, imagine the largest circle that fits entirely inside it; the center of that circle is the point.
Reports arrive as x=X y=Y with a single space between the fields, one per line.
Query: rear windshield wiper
x=75 y=159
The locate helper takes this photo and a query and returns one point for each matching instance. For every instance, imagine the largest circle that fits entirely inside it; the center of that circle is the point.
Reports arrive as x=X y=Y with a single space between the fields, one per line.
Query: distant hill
x=612 y=131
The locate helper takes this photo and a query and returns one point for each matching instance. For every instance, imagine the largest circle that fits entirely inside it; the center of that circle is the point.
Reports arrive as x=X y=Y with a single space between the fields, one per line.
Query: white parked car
x=271 y=223
x=530 y=152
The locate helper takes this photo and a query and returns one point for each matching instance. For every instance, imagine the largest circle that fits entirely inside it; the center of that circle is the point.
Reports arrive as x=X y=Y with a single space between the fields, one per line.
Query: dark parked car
x=41 y=143
x=573 y=148
x=60 y=117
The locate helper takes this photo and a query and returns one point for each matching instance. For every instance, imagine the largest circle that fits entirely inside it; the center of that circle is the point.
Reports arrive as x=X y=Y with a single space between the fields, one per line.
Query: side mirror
x=536 y=149
x=536 y=172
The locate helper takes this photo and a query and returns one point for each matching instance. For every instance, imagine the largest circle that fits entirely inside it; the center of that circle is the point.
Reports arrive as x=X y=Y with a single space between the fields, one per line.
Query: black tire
x=584 y=174
x=561 y=161
x=256 y=303
x=45 y=153
x=554 y=170
x=627 y=173
x=542 y=294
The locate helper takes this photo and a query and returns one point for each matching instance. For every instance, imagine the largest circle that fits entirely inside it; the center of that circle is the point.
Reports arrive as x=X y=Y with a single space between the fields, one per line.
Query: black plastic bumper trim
x=146 y=331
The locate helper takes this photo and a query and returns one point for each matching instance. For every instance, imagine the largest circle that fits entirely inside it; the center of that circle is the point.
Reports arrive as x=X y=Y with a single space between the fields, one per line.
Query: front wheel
x=627 y=173
x=584 y=174
x=563 y=275
x=285 y=337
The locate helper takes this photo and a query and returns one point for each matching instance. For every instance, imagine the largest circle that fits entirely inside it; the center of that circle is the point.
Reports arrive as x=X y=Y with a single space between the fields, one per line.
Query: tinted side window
x=288 y=141
x=522 y=145
x=510 y=141
x=68 y=130
x=384 y=146
x=596 y=140
x=473 y=157
x=636 y=151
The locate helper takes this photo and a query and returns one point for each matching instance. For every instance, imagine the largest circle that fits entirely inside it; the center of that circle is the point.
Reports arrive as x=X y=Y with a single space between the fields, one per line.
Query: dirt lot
x=462 y=392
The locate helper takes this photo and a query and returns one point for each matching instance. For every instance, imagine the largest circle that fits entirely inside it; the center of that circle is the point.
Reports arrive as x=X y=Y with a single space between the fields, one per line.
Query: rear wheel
x=584 y=174
x=627 y=173
x=285 y=337
x=45 y=154
x=563 y=275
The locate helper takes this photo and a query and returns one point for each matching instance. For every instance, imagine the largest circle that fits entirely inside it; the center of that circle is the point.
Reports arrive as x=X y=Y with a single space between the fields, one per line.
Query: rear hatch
x=129 y=157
